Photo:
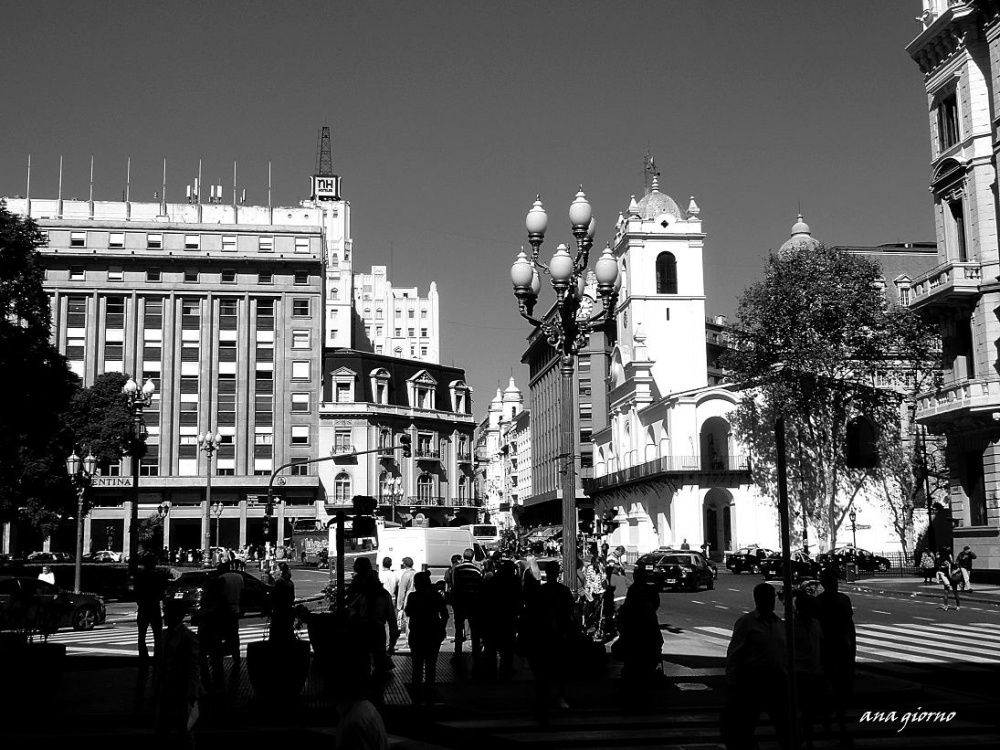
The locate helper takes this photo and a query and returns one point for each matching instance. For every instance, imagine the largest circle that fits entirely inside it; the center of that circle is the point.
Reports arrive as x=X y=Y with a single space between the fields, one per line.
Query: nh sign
x=326 y=187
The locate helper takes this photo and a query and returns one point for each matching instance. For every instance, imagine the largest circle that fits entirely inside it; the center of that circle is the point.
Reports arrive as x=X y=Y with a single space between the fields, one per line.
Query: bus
x=314 y=542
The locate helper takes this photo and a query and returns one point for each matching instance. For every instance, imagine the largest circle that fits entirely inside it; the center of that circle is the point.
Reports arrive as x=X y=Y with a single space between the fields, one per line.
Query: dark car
x=675 y=570
x=38 y=557
x=38 y=605
x=803 y=566
x=865 y=560
x=189 y=586
x=711 y=564
x=748 y=559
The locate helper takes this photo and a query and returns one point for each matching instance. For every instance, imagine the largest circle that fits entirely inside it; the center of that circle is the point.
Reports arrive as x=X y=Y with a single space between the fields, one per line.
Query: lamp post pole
x=136 y=399
x=80 y=472
x=566 y=328
x=853 y=515
x=208 y=443
x=217 y=510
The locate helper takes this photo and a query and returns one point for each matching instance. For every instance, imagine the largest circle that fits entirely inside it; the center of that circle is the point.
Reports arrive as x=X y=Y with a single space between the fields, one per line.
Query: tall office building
x=395 y=321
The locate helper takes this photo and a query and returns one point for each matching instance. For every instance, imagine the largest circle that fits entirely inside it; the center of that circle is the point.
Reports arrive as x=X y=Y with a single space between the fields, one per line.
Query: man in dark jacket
x=964 y=560
x=150 y=586
x=466 y=590
x=840 y=644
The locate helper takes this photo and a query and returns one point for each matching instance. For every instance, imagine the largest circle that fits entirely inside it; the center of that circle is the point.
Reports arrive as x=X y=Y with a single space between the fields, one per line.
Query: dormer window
x=459 y=396
x=380 y=385
x=342 y=386
x=421 y=389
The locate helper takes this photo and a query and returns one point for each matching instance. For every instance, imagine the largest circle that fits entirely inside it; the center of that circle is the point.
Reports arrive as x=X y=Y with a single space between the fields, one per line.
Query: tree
x=101 y=421
x=813 y=343
x=38 y=386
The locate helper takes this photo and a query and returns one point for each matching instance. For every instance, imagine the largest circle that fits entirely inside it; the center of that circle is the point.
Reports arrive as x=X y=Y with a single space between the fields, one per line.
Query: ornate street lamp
x=217 y=510
x=394 y=488
x=208 y=443
x=567 y=327
x=853 y=515
x=163 y=510
x=80 y=473
x=136 y=399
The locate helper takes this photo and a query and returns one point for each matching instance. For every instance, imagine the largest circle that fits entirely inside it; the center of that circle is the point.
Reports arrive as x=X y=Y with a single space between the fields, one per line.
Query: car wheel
x=883 y=566
x=85 y=618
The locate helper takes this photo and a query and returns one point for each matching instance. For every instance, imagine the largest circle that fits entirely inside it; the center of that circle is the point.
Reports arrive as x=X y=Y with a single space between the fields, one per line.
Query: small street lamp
x=136 y=399
x=163 y=510
x=394 y=488
x=567 y=327
x=208 y=443
x=853 y=515
x=217 y=510
x=80 y=473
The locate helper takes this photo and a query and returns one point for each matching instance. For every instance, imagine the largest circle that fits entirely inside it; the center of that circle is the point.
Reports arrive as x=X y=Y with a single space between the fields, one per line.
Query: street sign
x=862 y=526
x=111 y=481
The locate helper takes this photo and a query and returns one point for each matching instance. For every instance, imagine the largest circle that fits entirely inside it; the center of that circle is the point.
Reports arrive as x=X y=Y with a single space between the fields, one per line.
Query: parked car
x=107 y=555
x=190 y=585
x=675 y=570
x=803 y=566
x=748 y=559
x=28 y=602
x=710 y=563
x=50 y=557
x=865 y=560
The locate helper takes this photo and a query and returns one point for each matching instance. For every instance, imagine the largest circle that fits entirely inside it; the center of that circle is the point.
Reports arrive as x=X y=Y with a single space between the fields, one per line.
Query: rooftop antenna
x=234 y=183
x=163 y=196
x=268 y=183
x=128 y=174
x=648 y=169
x=60 y=178
x=197 y=185
x=27 y=193
x=324 y=157
x=91 y=199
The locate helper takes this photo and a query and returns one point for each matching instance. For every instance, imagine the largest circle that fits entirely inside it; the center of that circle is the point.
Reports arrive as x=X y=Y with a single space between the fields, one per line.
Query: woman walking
x=428 y=616
x=949 y=576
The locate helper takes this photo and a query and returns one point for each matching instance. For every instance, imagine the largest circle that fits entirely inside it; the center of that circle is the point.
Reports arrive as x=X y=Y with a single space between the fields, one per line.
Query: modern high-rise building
x=395 y=321
x=957 y=52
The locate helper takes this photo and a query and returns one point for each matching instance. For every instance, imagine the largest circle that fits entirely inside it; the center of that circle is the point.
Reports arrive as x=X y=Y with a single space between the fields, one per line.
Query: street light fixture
x=217 y=510
x=80 y=473
x=853 y=515
x=394 y=488
x=567 y=327
x=208 y=443
x=136 y=399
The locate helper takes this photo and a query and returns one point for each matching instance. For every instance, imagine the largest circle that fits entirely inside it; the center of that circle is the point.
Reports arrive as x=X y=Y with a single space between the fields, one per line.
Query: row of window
x=367 y=313
x=229 y=243
x=115 y=306
x=191 y=276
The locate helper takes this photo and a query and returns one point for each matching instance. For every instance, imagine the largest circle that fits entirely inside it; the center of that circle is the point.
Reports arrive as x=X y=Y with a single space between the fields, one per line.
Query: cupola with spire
x=800 y=239
x=655 y=204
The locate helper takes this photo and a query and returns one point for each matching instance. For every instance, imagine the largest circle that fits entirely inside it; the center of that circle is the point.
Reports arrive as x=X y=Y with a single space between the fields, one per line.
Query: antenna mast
x=324 y=158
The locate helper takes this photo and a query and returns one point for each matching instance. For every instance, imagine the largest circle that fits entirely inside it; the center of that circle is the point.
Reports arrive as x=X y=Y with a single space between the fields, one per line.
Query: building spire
x=324 y=156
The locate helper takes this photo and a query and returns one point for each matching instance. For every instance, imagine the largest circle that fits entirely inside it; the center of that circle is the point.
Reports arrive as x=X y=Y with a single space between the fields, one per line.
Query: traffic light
x=861 y=450
x=586 y=520
x=363 y=522
x=404 y=443
x=269 y=507
x=364 y=505
x=608 y=522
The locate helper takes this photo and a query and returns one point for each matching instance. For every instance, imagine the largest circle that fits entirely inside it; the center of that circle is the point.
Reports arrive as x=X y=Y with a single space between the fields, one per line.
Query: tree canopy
x=817 y=343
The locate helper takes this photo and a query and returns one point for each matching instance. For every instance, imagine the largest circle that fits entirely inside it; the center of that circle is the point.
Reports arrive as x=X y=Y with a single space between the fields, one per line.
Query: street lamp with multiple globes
x=136 y=399
x=80 y=472
x=566 y=328
x=217 y=509
x=210 y=444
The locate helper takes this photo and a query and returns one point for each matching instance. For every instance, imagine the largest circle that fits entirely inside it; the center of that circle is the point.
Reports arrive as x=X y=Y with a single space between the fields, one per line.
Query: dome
x=801 y=239
x=512 y=392
x=655 y=204
x=497 y=403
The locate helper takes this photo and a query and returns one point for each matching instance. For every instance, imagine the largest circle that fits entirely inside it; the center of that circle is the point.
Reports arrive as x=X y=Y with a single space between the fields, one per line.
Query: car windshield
x=678 y=560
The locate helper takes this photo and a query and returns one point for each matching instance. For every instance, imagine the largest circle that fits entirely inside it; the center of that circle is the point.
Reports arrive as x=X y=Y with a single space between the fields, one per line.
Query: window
x=265 y=307
x=904 y=295
x=192 y=241
x=149 y=467
x=342 y=488
x=301 y=277
x=115 y=306
x=266 y=244
x=299 y=470
x=342 y=393
x=423 y=331
x=116 y=239
x=666 y=274
x=300 y=434
x=263 y=436
x=228 y=275
x=115 y=273
x=378 y=313
x=262 y=466
x=399 y=332
x=154 y=241
x=399 y=313
x=409 y=313
x=300 y=370
x=300 y=307
x=423 y=313
x=225 y=467
x=152 y=274
x=334 y=293
x=191 y=276
x=380 y=386
x=302 y=244
x=947 y=121
x=77 y=273
x=300 y=339
x=379 y=331
x=342 y=440
x=229 y=243
x=956 y=229
x=265 y=277
x=423 y=351
x=425 y=487
x=410 y=332
x=228 y=307
x=300 y=402
x=77 y=239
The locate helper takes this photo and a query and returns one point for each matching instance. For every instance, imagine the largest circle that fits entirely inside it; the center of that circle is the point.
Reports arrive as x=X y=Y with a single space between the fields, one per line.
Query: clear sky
x=448 y=117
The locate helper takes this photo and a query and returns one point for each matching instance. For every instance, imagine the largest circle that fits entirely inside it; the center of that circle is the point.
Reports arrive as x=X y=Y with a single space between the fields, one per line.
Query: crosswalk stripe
x=947 y=640
x=928 y=653
x=979 y=631
x=875 y=649
x=719 y=631
x=943 y=647
x=952 y=636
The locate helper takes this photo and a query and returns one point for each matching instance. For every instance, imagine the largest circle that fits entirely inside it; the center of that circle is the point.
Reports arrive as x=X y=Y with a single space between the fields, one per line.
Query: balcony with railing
x=943 y=285
x=463 y=456
x=435 y=501
x=734 y=466
x=426 y=453
x=962 y=398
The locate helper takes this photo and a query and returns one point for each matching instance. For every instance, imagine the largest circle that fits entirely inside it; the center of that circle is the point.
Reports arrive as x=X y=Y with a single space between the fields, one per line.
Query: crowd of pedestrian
x=952 y=572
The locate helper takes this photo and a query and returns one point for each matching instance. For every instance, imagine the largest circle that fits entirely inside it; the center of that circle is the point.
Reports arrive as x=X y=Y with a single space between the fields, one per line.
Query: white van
x=431 y=548
x=487 y=534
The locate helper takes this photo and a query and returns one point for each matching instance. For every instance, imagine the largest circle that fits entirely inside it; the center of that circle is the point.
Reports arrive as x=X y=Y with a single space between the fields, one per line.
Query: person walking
x=639 y=646
x=756 y=674
x=810 y=684
x=149 y=585
x=839 y=648
x=549 y=631
x=428 y=618
x=389 y=578
x=467 y=582
x=178 y=687
x=685 y=545
x=231 y=590
x=282 y=630
x=949 y=575
x=370 y=610
x=403 y=589
x=501 y=608
x=927 y=566
x=964 y=560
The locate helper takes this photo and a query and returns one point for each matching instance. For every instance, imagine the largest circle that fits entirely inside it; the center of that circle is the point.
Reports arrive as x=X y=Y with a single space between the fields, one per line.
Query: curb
x=922 y=594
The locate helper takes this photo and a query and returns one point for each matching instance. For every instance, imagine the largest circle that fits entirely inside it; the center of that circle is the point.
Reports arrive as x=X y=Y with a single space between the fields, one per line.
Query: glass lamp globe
x=537 y=220
x=561 y=265
x=580 y=212
x=521 y=272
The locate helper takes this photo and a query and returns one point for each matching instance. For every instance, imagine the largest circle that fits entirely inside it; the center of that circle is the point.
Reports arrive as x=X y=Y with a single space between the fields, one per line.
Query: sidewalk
x=984 y=594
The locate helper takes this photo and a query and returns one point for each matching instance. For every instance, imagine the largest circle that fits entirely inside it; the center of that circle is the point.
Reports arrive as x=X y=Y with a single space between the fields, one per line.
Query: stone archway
x=717 y=524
